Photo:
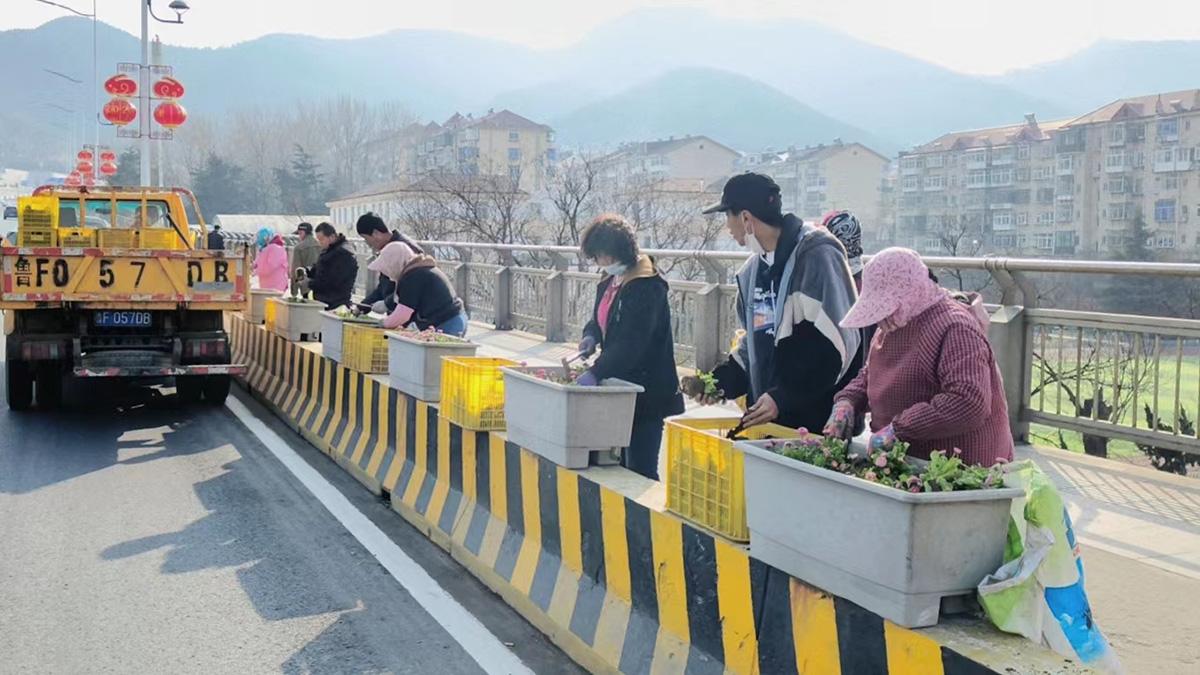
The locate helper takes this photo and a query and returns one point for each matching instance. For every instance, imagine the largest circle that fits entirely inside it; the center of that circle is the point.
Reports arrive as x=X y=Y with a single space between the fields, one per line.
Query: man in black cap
x=792 y=296
x=307 y=250
x=375 y=232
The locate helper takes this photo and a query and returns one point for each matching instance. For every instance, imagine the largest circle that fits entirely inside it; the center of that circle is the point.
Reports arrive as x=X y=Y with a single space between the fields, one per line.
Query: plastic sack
x=1039 y=590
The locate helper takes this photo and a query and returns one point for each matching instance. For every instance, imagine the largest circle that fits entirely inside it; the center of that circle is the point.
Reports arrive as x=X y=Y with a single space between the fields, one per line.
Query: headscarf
x=896 y=286
x=844 y=225
x=264 y=237
x=392 y=259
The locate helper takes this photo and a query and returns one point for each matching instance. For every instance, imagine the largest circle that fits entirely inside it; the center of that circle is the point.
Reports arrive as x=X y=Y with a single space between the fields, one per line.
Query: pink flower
x=802 y=431
x=881 y=460
x=870 y=475
x=957 y=451
x=914 y=489
x=1001 y=460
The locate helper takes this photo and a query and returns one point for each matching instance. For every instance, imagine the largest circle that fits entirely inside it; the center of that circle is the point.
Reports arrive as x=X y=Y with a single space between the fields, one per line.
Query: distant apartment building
x=1064 y=188
x=838 y=176
x=1137 y=156
x=686 y=158
x=500 y=143
x=968 y=185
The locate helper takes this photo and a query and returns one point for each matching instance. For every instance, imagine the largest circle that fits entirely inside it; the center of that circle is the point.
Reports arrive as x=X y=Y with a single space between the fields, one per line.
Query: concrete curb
x=618 y=586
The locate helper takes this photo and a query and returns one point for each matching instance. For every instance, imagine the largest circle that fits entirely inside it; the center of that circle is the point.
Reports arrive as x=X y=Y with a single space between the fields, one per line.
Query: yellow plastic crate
x=364 y=348
x=706 y=475
x=159 y=239
x=116 y=238
x=473 y=391
x=269 y=314
x=37 y=236
x=78 y=237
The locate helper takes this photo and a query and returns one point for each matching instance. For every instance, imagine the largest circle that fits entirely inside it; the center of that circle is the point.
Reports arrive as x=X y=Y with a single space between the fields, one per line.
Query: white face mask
x=616 y=269
x=753 y=244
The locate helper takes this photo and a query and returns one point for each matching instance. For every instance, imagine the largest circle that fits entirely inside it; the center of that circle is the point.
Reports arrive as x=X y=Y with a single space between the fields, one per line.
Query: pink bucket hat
x=896 y=284
x=392 y=259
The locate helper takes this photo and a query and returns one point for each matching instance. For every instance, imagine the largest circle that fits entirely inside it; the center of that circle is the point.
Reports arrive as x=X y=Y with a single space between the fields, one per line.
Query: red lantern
x=89 y=180
x=73 y=179
x=108 y=169
x=170 y=114
x=168 y=87
x=108 y=156
x=121 y=85
x=120 y=112
x=84 y=155
x=84 y=167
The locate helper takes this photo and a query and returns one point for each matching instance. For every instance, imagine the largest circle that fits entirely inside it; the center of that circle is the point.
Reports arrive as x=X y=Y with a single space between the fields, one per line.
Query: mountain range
x=652 y=73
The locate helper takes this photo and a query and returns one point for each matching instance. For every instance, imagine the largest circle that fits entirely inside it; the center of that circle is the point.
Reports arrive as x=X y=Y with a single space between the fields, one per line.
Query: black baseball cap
x=754 y=192
x=306 y=228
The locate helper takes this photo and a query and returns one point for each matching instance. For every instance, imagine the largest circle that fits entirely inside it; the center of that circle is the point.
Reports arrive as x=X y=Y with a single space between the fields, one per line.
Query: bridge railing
x=1113 y=376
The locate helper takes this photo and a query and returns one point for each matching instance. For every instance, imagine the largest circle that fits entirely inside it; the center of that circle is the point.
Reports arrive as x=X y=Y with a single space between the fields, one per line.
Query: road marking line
x=484 y=647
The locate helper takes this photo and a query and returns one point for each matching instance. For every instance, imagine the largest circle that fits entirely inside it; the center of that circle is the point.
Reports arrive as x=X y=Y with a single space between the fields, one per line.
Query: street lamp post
x=179 y=7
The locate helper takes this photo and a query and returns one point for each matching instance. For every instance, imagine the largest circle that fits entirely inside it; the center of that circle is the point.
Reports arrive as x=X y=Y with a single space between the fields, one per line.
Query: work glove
x=882 y=440
x=841 y=421
x=587 y=379
x=587 y=346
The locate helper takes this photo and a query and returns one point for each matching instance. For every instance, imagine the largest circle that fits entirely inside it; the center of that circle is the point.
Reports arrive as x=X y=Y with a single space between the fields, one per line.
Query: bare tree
x=572 y=190
x=488 y=207
x=667 y=215
x=960 y=239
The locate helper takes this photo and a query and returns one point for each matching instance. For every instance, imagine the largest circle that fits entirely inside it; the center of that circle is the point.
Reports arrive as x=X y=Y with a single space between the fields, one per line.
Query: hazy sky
x=975 y=36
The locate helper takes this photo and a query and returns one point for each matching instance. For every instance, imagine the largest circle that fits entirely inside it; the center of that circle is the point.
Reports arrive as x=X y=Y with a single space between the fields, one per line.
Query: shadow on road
x=102 y=423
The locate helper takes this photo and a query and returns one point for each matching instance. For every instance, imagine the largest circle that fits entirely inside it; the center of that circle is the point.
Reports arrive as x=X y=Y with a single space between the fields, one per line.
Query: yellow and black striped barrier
x=618 y=586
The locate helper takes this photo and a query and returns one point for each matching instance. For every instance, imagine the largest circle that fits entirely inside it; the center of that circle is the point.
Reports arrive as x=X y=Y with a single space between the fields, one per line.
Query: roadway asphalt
x=137 y=536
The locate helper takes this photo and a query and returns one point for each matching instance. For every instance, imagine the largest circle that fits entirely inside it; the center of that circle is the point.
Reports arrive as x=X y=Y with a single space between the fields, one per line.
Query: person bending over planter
x=331 y=280
x=631 y=323
x=791 y=295
x=374 y=231
x=423 y=295
x=931 y=379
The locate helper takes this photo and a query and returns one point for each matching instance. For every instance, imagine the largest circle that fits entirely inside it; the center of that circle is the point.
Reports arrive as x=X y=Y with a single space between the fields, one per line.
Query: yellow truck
x=114 y=282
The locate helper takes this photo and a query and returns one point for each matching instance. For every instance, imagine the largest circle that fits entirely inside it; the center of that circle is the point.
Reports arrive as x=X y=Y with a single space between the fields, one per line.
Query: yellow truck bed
x=122 y=278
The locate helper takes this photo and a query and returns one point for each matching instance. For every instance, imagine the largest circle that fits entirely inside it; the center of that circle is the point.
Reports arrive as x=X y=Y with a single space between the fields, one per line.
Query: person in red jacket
x=931 y=379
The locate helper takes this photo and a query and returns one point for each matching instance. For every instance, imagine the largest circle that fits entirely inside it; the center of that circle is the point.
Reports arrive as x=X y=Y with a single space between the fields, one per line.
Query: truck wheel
x=19 y=386
x=49 y=386
x=216 y=389
x=189 y=389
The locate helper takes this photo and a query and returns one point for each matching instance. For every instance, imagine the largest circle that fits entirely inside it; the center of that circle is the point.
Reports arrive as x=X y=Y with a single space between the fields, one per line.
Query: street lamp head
x=179 y=6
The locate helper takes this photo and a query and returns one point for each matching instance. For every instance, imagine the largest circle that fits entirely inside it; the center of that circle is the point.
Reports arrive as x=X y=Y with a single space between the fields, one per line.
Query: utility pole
x=156 y=59
x=144 y=96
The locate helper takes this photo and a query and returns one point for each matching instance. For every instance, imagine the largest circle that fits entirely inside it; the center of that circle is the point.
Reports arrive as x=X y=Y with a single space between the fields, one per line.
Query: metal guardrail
x=1122 y=377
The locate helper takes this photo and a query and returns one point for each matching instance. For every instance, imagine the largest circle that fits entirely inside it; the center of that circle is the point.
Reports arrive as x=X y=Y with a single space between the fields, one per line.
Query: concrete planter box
x=565 y=423
x=415 y=366
x=331 y=335
x=297 y=321
x=258 y=303
x=893 y=552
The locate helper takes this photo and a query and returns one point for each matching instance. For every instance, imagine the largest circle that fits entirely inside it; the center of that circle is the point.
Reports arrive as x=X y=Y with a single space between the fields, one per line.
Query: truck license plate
x=108 y=319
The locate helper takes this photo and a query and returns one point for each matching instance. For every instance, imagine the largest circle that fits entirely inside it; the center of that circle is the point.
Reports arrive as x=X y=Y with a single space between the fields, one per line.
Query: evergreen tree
x=220 y=187
x=301 y=185
x=128 y=168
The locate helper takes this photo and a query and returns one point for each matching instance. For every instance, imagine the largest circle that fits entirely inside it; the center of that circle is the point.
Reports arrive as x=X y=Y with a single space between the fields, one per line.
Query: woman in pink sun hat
x=931 y=379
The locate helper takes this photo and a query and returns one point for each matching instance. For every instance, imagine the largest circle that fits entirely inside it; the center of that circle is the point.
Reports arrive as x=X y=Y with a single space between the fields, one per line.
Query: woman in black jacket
x=631 y=323
x=423 y=295
x=331 y=280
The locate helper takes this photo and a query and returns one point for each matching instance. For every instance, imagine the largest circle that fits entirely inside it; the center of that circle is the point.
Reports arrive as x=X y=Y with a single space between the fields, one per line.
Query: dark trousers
x=644 y=443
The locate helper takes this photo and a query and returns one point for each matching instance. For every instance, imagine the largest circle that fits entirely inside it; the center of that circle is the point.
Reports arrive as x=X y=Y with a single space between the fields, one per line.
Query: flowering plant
x=430 y=335
x=945 y=472
x=557 y=376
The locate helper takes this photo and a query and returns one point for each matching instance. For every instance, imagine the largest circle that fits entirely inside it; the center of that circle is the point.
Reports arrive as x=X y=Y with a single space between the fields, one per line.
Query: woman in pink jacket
x=271 y=264
x=930 y=379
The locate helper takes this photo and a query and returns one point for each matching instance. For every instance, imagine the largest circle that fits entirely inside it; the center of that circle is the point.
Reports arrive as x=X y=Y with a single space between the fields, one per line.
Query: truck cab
x=114 y=283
